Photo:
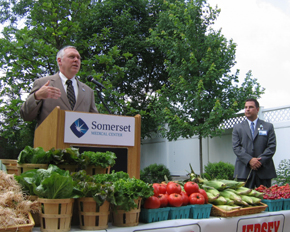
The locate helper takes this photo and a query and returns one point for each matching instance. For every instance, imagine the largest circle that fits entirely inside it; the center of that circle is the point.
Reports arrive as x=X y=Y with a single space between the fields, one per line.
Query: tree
x=202 y=93
x=29 y=52
x=128 y=22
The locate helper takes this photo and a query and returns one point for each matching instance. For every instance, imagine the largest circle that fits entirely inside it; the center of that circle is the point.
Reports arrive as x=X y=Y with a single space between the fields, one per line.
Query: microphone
x=91 y=79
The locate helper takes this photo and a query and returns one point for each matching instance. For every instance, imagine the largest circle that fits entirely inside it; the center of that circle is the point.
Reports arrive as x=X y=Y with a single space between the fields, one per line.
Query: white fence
x=176 y=155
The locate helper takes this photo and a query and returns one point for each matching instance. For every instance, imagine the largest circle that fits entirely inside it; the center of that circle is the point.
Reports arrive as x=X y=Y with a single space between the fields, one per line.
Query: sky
x=261 y=30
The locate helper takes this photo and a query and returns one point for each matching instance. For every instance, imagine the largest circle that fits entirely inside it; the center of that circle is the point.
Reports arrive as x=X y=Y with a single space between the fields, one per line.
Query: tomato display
x=152 y=203
x=191 y=187
x=185 y=198
x=196 y=199
x=163 y=198
x=173 y=187
x=175 y=200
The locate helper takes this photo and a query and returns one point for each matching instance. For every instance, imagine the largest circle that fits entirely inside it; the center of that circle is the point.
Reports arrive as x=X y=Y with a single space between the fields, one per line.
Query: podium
x=51 y=134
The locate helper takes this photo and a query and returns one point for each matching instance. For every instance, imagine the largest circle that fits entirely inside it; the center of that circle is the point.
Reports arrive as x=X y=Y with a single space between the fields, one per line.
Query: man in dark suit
x=254 y=163
x=51 y=91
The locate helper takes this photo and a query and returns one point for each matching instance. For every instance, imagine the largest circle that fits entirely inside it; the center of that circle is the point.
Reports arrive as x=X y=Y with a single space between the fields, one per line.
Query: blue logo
x=79 y=128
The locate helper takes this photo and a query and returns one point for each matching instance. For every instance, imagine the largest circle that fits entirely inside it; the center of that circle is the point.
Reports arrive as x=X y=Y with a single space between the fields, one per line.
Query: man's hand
x=47 y=91
x=255 y=163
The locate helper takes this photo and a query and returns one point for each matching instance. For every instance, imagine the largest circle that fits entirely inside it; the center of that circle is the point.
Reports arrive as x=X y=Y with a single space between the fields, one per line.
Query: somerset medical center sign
x=89 y=128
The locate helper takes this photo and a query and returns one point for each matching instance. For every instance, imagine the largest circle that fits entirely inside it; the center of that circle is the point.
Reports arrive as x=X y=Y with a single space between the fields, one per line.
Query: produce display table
x=278 y=221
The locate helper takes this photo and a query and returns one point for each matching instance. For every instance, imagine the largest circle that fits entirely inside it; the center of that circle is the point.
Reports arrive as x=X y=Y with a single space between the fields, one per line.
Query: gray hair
x=61 y=52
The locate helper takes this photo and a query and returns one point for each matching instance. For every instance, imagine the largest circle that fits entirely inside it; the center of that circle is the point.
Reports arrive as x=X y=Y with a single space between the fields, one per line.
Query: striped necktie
x=70 y=94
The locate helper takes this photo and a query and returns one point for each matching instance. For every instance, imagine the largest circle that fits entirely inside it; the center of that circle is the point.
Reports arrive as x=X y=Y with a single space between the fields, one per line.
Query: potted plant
x=94 y=201
x=55 y=191
x=128 y=194
x=98 y=162
x=66 y=159
x=32 y=158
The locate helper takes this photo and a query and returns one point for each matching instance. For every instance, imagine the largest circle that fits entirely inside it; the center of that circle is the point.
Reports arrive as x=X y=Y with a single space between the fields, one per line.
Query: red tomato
x=191 y=187
x=175 y=200
x=156 y=189
x=162 y=188
x=185 y=198
x=152 y=203
x=163 y=198
x=173 y=187
x=196 y=199
x=203 y=192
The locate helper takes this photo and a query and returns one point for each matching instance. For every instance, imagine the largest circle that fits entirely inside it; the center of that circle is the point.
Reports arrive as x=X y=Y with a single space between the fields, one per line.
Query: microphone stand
x=99 y=89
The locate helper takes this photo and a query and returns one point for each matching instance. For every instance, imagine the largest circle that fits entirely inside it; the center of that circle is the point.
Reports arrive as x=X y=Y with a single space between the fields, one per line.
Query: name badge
x=262 y=132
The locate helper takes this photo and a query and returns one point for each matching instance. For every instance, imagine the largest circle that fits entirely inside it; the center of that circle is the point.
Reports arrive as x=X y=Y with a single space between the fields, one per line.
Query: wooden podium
x=50 y=134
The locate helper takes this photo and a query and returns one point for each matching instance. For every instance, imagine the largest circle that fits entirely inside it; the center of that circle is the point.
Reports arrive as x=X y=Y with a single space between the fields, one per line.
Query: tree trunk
x=200 y=155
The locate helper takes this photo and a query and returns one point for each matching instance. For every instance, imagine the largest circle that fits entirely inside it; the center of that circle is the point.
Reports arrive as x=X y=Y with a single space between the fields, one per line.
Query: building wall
x=176 y=155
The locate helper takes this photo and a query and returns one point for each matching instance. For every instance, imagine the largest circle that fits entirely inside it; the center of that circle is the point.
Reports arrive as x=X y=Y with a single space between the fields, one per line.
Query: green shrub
x=155 y=173
x=283 y=172
x=219 y=170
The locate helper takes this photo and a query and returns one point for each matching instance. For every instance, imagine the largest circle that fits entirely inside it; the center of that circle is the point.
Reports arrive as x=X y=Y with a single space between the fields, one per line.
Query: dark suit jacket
x=30 y=110
x=245 y=148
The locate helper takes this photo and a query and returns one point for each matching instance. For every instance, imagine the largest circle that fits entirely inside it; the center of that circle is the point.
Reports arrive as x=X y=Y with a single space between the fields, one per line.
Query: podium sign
x=102 y=129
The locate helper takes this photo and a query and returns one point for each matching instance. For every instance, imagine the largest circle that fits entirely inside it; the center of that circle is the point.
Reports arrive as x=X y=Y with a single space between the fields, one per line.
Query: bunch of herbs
x=87 y=187
x=103 y=159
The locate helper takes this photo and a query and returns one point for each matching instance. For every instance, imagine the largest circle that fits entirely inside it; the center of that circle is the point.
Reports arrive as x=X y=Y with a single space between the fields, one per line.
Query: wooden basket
x=93 y=170
x=124 y=218
x=215 y=211
x=20 y=228
x=26 y=167
x=11 y=166
x=56 y=214
x=36 y=216
x=92 y=216
x=68 y=167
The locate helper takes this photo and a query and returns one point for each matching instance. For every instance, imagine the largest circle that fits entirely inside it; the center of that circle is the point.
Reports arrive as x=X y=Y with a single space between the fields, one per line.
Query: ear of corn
x=243 y=190
x=211 y=197
x=216 y=184
x=255 y=193
x=220 y=201
x=231 y=195
x=247 y=199
x=256 y=200
x=215 y=192
x=232 y=183
x=228 y=207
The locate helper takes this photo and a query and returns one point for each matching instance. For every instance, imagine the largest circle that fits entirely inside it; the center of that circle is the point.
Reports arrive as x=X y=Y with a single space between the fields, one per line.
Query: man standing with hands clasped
x=62 y=89
x=254 y=143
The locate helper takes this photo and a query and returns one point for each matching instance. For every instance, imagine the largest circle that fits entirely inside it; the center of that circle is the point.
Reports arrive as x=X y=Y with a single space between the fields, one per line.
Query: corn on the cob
x=215 y=192
x=256 y=200
x=229 y=201
x=216 y=184
x=211 y=197
x=228 y=207
x=243 y=190
x=231 y=195
x=247 y=199
x=255 y=193
x=220 y=201
x=232 y=183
